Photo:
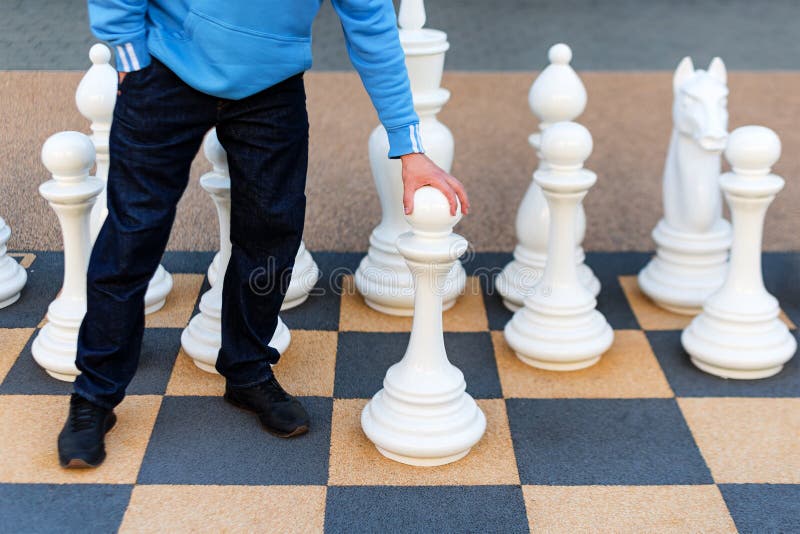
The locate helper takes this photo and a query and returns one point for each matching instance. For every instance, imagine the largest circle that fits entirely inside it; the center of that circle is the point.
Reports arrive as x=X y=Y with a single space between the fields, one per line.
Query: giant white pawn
x=423 y=415
x=739 y=334
x=12 y=275
x=559 y=328
x=202 y=338
x=382 y=276
x=556 y=95
x=72 y=193
x=96 y=97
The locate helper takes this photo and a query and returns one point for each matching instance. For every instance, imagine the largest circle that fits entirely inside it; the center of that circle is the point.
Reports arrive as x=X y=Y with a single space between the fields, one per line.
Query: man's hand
x=419 y=171
x=121 y=76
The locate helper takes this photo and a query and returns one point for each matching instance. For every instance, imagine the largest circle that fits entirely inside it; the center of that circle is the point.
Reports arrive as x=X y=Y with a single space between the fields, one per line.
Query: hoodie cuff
x=404 y=140
x=132 y=55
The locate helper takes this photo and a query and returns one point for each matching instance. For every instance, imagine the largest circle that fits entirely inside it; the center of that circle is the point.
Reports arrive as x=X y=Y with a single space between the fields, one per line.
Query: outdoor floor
x=642 y=441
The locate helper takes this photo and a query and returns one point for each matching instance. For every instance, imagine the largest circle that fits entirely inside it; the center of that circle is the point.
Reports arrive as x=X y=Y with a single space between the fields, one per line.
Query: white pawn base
x=12 y=279
x=157 y=290
x=520 y=276
x=305 y=275
x=420 y=431
x=384 y=280
x=557 y=340
x=744 y=347
x=202 y=338
x=687 y=269
x=56 y=345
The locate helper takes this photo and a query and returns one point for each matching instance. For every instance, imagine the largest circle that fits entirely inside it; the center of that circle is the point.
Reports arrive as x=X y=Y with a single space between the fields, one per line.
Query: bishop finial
x=558 y=93
x=753 y=150
x=411 y=15
x=99 y=54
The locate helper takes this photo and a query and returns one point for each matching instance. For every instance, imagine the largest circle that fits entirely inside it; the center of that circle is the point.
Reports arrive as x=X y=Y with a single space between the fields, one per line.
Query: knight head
x=700 y=109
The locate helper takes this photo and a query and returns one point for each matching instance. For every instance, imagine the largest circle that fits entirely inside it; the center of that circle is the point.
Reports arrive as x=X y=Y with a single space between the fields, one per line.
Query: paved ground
x=640 y=442
x=500 y=35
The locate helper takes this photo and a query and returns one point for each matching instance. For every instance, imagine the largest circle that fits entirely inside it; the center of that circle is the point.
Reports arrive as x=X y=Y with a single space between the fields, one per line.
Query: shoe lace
x=274 y=390
x=82 y=413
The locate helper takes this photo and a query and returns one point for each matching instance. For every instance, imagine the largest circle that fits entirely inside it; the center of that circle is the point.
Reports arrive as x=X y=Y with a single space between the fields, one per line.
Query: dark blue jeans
x=159 y=125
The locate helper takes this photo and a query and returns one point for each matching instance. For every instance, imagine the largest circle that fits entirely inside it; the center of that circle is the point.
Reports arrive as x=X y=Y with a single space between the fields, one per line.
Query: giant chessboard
x=642 y=441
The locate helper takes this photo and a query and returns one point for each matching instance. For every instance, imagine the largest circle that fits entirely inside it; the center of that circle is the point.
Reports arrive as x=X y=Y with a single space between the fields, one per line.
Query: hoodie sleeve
x=121 y=23
x=373 y=43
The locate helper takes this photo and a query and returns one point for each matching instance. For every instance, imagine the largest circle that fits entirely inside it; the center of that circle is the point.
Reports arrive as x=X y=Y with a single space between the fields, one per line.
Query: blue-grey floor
x=499 y=35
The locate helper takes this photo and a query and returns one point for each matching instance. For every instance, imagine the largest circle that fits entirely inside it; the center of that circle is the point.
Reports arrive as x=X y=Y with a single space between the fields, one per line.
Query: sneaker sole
x=299 y=431
x=80 y=463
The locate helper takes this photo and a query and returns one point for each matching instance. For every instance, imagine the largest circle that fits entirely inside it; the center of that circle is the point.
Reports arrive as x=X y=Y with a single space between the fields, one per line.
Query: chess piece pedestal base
x=57 y=342
x=157 y=290
x=559 y=340
x=520 y=276
x=305 y=275
x=384 y=280
x=746 y=347
x=419 y=432
x=12 y=276
x=687 y=269
x=202 y=338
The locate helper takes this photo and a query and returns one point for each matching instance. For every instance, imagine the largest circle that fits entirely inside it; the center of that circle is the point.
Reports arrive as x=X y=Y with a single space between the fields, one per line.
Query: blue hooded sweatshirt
x=236 y=48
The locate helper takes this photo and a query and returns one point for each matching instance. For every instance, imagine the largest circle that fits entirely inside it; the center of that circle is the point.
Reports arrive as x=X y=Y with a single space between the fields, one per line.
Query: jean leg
x=159 y=123
x=266 y=138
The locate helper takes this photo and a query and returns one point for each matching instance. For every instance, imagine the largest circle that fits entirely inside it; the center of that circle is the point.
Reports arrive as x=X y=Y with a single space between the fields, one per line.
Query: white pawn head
x=753 y=150
x=69 y=156
x=97 y=91
x=558 y=93
x=214 y=152
x=566 y=145
x=431 y=215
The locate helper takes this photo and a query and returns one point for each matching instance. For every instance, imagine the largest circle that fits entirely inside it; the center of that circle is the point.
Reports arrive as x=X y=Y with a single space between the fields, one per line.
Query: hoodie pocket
x=223 y=43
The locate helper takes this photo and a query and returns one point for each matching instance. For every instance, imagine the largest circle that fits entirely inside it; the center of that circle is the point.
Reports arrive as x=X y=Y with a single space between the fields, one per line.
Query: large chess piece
x=202 y=338
x=423 y=415
x=559 y=328
x=12 y=276
x=556 y=95
x=739 y=334
x=95 y=98
x=69 y=156
x=692 y=239
x=383 y=277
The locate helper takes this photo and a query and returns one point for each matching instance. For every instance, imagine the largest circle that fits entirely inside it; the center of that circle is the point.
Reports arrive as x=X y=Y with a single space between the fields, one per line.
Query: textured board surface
x=642 y=441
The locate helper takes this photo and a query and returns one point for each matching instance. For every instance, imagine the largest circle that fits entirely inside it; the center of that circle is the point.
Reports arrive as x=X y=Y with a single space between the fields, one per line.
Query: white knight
x=692 y=239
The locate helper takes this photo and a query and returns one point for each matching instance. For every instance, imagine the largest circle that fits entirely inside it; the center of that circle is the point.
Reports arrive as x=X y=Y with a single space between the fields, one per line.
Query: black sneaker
x=82 y=440
x=280 y=413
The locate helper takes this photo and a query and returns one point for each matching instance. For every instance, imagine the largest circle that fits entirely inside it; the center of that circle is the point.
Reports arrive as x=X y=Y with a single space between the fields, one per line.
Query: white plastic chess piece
x=12 y=276
x=557 y=95
x=305 y=273
x=423 y=415
x=692 y=239
x=202 y=338
x=559 y=328
x=96 y=97
x=739 y=334
x=383 y=277
x=69 y=156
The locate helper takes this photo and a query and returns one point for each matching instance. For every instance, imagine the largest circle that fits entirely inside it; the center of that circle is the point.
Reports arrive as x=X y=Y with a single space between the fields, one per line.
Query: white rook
x=559 y=328
x=12 y=275
x=202 y=338
x=738 y=334
x=383 y=277
x=72 y=193
x=96 y=97
x=423 y=415
x=556 y=95
x=692 y=239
